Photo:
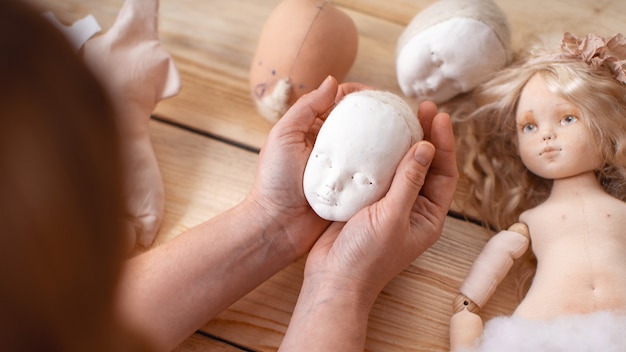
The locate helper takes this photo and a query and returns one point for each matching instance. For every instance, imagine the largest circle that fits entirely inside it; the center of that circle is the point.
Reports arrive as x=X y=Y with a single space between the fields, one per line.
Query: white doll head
x=451 y=47
x=357 y=151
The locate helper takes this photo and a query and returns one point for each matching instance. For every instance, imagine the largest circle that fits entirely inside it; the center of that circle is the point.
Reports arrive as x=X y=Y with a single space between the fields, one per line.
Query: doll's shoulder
x=608 y=204
x=529 y=215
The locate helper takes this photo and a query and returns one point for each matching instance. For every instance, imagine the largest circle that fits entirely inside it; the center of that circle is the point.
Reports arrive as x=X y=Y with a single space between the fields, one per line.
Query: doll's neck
x=580 y=184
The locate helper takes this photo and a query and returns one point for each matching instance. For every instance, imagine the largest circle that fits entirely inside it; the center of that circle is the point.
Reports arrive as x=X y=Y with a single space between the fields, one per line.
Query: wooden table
x=207 y=141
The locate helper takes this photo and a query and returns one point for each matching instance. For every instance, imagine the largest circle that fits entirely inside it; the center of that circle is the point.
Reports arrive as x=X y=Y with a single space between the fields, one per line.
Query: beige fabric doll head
x=301 y=43
x=357 y=151
x=451 y=47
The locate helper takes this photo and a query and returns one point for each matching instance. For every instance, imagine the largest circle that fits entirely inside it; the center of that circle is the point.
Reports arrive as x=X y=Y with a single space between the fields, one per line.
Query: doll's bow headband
x=596 y=51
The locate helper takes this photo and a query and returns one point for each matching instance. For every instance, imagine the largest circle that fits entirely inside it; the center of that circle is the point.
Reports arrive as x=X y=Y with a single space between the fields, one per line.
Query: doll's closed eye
x=362 y=179
x=436 y=59
x=324 y=160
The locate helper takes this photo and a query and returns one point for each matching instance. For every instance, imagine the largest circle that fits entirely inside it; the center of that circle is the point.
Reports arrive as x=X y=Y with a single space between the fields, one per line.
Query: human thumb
x=410 y=175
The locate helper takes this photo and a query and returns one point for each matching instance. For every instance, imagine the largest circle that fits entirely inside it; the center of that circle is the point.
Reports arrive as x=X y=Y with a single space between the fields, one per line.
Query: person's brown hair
x=61 y=197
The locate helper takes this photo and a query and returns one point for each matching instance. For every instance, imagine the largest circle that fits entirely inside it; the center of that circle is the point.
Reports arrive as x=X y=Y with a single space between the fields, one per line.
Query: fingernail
x=424 y=153
x=326 y=82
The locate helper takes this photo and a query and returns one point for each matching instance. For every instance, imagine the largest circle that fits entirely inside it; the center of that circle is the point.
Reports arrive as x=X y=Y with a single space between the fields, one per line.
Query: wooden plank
x=527 y=18
x=200 y=343
x=202 y=176
x=68 y=11
x=397 y=11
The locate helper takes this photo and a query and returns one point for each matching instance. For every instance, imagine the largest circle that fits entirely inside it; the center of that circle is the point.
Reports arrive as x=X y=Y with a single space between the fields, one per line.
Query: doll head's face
x=355 y=156
x=448 y=58
x=553 y=141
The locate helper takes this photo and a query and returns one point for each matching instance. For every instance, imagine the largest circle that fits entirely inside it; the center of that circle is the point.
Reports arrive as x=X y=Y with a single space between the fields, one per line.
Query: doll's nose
x=333 y=184
x=333 y=180
x=432 y=83
x=548 y=136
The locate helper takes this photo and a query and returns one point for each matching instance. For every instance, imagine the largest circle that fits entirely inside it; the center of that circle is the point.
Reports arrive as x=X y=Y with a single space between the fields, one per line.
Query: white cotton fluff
x=272 y=106
x=601 y=331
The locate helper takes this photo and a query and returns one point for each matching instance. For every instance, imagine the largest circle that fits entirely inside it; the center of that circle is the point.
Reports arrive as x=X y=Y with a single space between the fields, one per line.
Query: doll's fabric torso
x=580 y=244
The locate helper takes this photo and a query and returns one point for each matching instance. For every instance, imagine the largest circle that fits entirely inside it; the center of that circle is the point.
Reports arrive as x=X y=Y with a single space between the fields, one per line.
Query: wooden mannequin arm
x=487 y=271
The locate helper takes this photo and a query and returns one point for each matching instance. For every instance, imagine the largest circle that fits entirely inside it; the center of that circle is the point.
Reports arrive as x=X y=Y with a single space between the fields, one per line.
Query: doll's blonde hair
x=500 y=185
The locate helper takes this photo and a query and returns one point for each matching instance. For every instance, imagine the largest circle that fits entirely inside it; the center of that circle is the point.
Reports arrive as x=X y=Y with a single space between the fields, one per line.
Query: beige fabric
x=138 y=73
x=465 y=330
x=492 y=265
x=78 y=32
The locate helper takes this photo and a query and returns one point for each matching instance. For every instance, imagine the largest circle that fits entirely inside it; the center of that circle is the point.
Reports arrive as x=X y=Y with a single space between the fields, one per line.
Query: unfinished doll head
x=586 y=74
x=301 y=43
x=357 y=151
x=451 y=47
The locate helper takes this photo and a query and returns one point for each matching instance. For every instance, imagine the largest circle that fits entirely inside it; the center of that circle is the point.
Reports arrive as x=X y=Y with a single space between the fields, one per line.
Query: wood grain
x=202 y=176
x=201 y=343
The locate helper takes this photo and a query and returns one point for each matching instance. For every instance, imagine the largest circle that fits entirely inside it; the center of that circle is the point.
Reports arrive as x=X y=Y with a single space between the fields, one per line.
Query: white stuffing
x=601 y=331
x=272 y=106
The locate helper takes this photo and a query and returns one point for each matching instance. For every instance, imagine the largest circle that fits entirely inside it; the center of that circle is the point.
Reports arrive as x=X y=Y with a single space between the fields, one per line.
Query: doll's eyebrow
x=565 y=108
x=525 y=116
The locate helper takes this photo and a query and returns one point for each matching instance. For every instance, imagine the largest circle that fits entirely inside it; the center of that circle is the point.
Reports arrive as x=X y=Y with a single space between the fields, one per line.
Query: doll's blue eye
x=529 y=128
x=568 y=120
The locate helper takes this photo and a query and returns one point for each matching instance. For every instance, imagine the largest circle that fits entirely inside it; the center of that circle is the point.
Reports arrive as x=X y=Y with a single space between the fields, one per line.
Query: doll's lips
x=549 y=150
x=324 y=199
x=424 y=93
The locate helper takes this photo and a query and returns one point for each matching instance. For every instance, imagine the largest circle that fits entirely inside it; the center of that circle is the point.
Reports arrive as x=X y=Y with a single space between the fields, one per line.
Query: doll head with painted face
x=584 y=76
x=357 y=151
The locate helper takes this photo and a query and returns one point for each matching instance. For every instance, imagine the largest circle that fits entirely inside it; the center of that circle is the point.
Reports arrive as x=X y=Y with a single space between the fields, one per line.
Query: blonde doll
x=545 y=148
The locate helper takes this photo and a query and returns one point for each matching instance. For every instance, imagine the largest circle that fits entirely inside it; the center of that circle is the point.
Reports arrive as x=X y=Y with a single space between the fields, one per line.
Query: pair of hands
x=382 y=239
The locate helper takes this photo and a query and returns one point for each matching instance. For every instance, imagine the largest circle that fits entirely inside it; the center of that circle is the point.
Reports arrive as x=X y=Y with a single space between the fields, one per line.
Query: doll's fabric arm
x=137 y=73
x=486 y=273
x=494 y=262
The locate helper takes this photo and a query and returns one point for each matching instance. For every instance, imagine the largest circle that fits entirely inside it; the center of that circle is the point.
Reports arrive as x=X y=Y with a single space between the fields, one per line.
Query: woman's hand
x=384 y=238
x=351 y=263
x=277 y=190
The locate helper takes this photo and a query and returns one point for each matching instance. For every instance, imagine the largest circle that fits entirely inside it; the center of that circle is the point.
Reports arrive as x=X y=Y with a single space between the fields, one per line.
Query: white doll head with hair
x=357 y=151
x=450 y=47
